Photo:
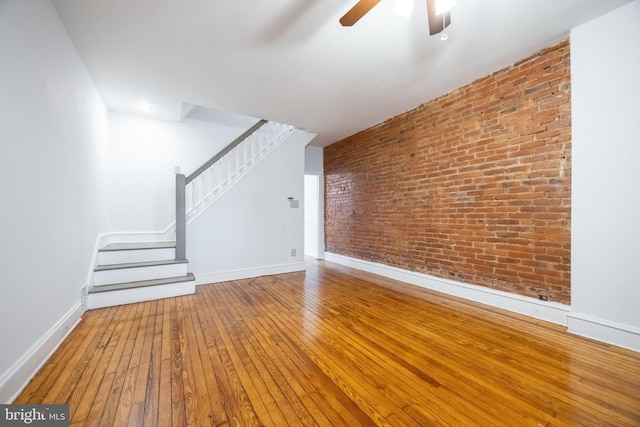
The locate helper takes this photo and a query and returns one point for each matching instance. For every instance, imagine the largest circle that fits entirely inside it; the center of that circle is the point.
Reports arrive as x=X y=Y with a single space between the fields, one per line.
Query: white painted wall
x=605 y=69
x=314 y=165
x=313 y=161
x=311 y=215
x=53 y=145
x=251 y=229
x=143 y=153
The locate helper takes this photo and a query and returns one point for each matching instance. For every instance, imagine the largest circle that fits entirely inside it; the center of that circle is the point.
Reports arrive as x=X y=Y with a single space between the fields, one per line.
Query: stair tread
x=137 y=246
x=142 y=283
x=107 y=267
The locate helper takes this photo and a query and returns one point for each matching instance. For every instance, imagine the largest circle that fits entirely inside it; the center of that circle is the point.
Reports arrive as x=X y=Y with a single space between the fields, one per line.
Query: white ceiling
x=291 y=61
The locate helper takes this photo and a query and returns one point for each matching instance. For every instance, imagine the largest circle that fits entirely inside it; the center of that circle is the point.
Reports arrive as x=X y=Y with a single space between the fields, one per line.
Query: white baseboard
x=14 y=380
x=604 y=330
x=549 y=311
x=247 y=273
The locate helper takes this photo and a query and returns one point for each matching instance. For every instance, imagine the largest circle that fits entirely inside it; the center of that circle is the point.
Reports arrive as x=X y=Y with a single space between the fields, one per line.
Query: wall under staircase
x=252 y=230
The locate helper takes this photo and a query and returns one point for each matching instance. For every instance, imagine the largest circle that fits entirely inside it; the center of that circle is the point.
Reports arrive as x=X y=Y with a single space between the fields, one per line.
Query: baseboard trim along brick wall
x=544 y=310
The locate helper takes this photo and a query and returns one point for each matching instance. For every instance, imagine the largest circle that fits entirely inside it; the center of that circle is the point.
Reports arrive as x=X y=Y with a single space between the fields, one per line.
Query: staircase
x=142 y=271
x=214 y=178
x=134 y=272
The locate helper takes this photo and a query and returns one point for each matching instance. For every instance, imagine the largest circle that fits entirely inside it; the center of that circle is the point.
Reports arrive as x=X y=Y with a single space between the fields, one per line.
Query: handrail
x=225 y=150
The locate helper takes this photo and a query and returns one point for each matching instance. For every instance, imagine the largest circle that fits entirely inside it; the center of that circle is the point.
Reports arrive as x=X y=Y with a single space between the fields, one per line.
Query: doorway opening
x=313 y=216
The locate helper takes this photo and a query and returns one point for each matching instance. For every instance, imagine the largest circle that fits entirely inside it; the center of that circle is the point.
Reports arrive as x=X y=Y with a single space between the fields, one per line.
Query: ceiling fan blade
x=436 y=24
x=358 y=11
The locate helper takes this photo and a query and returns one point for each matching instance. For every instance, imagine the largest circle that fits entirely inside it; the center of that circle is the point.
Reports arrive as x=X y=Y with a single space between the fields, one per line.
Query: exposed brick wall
x=474 y=186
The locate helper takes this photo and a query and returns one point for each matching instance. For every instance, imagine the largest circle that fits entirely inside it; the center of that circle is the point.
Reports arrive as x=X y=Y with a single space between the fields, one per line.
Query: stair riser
x=137 y=255
x=129 y=296
x=123 y=275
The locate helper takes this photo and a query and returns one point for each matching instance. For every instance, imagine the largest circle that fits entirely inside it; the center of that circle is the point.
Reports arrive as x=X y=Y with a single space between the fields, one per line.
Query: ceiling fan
x=438 y=12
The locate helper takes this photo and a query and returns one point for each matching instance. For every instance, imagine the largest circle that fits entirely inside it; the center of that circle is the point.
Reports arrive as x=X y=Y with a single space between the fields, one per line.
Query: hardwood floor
x=332 y=347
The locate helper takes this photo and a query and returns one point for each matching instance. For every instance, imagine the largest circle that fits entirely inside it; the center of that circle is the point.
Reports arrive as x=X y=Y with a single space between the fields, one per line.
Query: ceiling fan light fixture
x=443 y=6
x=403 y=8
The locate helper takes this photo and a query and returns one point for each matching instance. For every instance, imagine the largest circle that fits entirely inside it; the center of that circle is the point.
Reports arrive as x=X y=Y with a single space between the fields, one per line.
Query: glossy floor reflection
x=332 y=347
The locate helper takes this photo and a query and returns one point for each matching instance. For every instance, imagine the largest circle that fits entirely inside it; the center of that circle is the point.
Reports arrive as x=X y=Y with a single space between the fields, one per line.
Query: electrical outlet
x=293 y=252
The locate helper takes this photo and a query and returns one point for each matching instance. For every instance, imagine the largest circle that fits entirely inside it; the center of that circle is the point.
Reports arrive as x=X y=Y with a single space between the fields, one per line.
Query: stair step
x=136 y=246
x=139 y=264
x=138 y=271
x=146 y=290
x=123 y=253
x=142 y=283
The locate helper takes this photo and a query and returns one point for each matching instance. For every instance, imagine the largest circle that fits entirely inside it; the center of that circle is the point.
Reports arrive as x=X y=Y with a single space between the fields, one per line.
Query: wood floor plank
x=235 y=400
x=35 y=390
x=290 y=408
x=258 y=393
x=95 y=412
x=502 y=413
x=152 y=389
x=125 y=402
x=84 y=390
x=504 y=365
x=144 y=336
x=288 y=401
x=332 y=346
x=349 y=389
x=333 y=399
x=198 y=400
x=165 y=407
x=141 y=361
x=347 y=354
x=92 y=400
x=208 y=384
x=333 y=402
x=386 y=366
x=178 y=410
x=396 y=364
x=347 y=347
x=114 y=403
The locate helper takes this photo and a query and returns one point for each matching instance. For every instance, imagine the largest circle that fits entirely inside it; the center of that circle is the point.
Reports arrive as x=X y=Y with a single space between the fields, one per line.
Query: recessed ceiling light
x=146 y=107
x=403 y=8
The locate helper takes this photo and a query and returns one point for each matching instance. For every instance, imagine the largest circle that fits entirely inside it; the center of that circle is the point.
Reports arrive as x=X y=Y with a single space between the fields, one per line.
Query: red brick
x=474 y=185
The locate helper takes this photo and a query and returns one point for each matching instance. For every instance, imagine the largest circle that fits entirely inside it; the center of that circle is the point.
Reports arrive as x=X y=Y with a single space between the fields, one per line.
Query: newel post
x=181 y=218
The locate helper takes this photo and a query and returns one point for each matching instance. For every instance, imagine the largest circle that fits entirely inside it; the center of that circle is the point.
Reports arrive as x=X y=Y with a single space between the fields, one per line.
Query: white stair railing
x=207 y=186
x=200 y=189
